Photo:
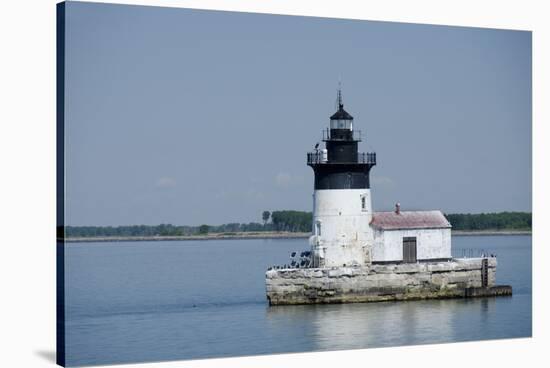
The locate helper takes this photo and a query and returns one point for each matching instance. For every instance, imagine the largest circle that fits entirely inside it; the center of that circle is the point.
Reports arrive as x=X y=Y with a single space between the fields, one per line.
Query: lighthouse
x=358 y=255
x=342 y=209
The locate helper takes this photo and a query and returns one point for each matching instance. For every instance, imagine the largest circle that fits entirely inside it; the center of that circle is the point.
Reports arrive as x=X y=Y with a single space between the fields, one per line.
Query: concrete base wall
x=372 y=283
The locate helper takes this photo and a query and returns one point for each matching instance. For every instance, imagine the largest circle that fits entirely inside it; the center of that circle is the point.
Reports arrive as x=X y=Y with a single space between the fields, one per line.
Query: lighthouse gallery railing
x=362 y=158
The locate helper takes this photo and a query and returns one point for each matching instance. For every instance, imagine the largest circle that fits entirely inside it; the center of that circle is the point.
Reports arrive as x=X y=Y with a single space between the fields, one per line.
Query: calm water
x=153 y=301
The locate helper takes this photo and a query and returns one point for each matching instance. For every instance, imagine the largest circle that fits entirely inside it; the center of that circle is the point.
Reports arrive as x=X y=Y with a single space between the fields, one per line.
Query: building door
x=409 y=249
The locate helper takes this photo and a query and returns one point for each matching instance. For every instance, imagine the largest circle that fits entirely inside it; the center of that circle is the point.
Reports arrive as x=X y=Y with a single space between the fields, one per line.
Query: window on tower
x=318 y=228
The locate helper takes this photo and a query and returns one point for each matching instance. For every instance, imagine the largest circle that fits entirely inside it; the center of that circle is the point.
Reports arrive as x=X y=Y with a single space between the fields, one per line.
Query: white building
x=410 y=236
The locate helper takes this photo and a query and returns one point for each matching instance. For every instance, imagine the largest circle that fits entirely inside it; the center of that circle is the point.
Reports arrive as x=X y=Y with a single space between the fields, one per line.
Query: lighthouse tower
x=342 y=209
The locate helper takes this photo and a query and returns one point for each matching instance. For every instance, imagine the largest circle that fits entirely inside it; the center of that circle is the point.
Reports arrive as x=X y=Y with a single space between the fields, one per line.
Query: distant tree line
x=293 y=221
x=490 y=221
x=159 y=230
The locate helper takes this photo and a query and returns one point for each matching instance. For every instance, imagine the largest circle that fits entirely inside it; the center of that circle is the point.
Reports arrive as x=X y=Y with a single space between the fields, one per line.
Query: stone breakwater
x=457 y=278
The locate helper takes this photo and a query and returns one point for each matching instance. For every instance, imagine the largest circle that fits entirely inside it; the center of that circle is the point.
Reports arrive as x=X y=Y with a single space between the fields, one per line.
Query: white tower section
x=342 y=235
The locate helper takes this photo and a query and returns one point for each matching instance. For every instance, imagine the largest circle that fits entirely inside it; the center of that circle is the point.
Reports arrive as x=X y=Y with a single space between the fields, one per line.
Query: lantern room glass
x=341 y=124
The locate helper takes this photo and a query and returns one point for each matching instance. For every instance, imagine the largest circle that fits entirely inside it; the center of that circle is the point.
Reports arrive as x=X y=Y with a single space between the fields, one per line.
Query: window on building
x=363 y=203
x=318 y=228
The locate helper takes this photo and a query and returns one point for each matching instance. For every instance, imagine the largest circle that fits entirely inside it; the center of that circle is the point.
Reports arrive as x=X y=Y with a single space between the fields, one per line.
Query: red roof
x=409 y=220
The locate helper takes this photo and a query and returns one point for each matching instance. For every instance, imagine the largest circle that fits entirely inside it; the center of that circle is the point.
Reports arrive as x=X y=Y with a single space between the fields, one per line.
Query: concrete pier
x=456 y=278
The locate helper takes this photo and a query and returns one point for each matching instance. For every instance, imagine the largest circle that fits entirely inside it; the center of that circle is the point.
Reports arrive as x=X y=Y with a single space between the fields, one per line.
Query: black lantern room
x=340 y=165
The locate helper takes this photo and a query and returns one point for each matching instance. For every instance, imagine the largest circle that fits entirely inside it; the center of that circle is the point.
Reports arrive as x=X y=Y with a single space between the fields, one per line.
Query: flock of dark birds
x=302 y=261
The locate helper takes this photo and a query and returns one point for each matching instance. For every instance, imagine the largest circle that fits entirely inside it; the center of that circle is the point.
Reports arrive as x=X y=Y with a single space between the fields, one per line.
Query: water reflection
x=363 y=325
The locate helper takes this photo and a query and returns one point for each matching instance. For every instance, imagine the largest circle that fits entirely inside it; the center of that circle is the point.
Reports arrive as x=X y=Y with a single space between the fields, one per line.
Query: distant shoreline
x=261 y=235
x=490 y=232
x=214 y=236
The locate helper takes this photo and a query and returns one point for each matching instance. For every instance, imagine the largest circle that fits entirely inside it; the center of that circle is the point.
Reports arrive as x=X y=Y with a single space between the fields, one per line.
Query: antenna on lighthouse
x=339 y=101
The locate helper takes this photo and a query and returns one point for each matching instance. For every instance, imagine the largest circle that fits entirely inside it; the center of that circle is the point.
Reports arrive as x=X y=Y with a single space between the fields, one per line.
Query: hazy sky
x=188 y=117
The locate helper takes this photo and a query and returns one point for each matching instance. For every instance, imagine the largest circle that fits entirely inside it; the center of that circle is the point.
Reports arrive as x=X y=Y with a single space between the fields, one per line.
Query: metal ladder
x=484 y=272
